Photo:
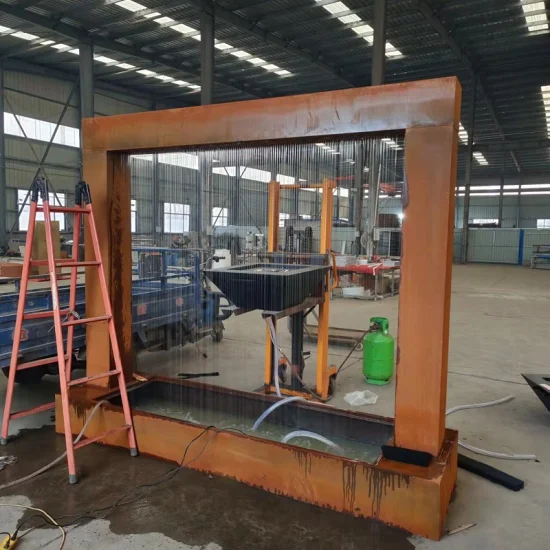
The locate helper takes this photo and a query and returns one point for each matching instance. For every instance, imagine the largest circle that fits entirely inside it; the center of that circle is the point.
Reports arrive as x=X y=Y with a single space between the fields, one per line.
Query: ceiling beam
x=250 y=27
x=29 y=3
x=438 y=26
x=511 y=146
x=82 y=35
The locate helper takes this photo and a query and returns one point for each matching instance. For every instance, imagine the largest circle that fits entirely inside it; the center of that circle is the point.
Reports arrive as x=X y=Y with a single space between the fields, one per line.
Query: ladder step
x=86 y=321
x=92 y=378
x=38 y=363
x=43 y=314
x=104 y=435
x=46 y=277
x=67 y=263
x=34 y=410
x=64 y=209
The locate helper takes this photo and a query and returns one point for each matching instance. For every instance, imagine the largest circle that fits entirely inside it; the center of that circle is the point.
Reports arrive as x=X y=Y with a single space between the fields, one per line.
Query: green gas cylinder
x=378 y=352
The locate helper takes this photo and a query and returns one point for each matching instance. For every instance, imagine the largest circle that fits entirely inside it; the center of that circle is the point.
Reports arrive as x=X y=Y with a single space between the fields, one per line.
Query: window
x=282 y=218
x=219 y=217
x=25 y=213
x=176 y=217
x=41 y=130
x=484 y=221
x=305 y=217
x=133 y=215
x=543 y=224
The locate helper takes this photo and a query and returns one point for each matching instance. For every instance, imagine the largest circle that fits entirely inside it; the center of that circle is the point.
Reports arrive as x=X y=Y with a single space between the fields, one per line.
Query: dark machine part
x=297 y=357
x=289 y=239
x=389 y=243
x=270 y=287
x=150 y=265
x=298 y=240
x=540 y=384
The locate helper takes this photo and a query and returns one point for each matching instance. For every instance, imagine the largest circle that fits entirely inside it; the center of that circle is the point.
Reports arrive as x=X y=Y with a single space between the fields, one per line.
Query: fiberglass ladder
x=64 y=319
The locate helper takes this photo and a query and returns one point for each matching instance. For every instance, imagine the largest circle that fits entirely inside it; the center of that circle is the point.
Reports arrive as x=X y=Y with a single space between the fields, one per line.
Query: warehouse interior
x=205 y=342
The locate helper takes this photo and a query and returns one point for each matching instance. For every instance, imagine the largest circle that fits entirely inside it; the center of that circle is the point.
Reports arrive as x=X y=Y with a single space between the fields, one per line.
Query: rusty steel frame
x=428 y=112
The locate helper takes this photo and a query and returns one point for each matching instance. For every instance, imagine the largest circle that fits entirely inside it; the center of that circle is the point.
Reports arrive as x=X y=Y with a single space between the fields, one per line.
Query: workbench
x=540 y=256
x=377 y=270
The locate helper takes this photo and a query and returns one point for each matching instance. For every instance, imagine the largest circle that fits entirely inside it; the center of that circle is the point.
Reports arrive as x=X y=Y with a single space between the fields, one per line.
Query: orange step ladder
x=64 y=319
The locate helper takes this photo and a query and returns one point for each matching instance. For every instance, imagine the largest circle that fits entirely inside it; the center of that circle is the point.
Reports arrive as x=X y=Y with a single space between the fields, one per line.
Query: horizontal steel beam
x=251 y=27
x=510 y=146
x=82 y=35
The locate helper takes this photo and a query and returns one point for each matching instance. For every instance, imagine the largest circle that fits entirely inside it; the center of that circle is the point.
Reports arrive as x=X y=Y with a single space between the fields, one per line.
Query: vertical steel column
x=359 y=194
x=86 y=64
x=468 y=172
x=501 y=194
x=377 y=78
x=207 y=55
x=158 y=228
x=518 y=211
x=379 y=43
x=3 y=197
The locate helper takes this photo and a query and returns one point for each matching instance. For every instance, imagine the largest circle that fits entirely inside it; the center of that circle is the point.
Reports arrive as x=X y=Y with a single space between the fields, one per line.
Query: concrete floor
x=499 y=329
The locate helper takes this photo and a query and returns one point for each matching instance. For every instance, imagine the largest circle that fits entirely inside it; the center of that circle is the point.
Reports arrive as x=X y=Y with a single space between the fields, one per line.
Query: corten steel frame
x=428 y=113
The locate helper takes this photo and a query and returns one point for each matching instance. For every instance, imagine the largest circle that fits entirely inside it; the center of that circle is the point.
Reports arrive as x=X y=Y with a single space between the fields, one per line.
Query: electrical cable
x=50 y=519
x=59 y=458
x=484 y=452
x=273 y=336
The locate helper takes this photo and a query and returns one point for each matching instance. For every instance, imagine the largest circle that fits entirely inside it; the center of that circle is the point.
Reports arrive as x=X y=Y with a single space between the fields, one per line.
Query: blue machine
x=165 y=312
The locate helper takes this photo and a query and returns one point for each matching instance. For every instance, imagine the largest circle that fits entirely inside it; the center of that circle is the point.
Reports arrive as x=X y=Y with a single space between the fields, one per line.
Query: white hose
x=273 y=407
x=273 y=334
x=59 y=458
x=483 y=452
x=311 y=435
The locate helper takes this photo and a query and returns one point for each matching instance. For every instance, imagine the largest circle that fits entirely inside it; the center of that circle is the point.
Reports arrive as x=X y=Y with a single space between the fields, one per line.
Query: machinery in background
x=172 y=305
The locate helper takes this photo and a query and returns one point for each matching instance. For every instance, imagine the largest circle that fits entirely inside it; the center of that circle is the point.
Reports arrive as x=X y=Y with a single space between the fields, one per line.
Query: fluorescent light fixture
x=164 y=20
x=462 y=133
x=184 y=29
x=103 y=59
x=152 y=15
x=24 y=35
x=47 y=42
x=126 y=66
x=147 y=72
x=365 y=30
x=257 y=61
x=130 y=5
x=335 y=7
x=5 y=30
x=283 y=72
x=61 y=47
x=480 y=158
x=194 y=86
x=241 y=54
x=164 y=78
x=535 y=21
x=392 y=144
x=320 y=144
x=181 y=82
x=197 y=37
x=223 y=46
x=271 y=67
x=392 y=51
x=545 y=91
x=74 y=51
x=349 y=19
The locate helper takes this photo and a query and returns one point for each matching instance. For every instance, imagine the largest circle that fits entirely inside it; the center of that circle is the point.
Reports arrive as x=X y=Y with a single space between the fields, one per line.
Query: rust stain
x=349 y=483
x=304 y=460
x=379 y=482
